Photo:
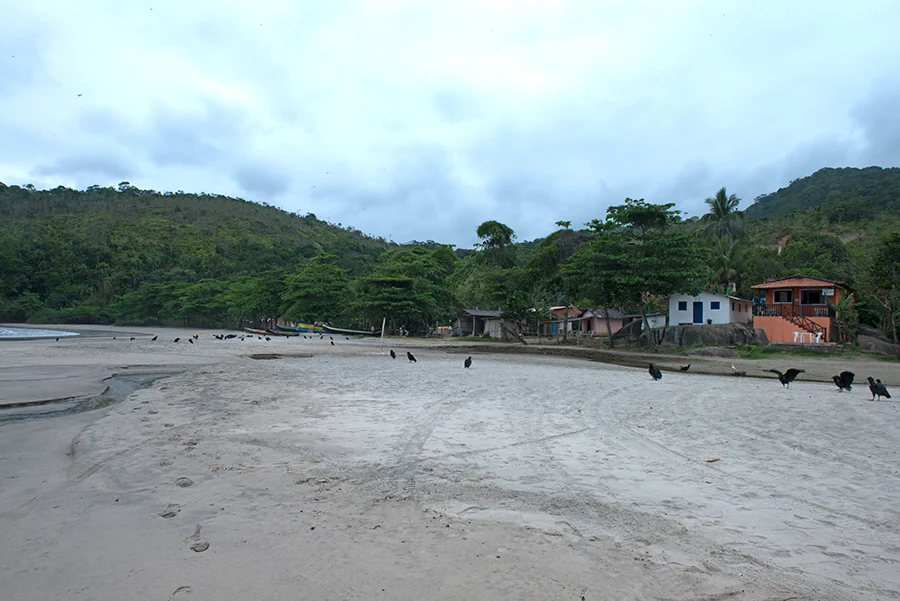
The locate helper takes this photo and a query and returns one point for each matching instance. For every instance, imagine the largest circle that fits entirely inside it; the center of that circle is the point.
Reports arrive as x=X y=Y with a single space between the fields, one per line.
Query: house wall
x=779 y=329
x=492 y=328
x=598 y=325
x=721 y=315
x=740 y=311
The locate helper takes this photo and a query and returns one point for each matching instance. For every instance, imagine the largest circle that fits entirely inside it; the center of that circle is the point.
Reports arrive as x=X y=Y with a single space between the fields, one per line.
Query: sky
x=419 y=119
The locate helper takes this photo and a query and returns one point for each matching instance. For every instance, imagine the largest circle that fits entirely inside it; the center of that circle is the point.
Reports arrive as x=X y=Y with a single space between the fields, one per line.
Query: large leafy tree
x=597 y=272
x=661 y=259
x=318 y=291
x=408 y=287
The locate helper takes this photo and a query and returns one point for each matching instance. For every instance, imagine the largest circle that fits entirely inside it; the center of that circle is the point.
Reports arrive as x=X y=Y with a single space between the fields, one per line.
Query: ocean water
x=7 y=333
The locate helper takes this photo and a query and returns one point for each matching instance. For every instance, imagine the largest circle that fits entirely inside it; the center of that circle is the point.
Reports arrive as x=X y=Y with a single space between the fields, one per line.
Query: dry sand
x=338 y=473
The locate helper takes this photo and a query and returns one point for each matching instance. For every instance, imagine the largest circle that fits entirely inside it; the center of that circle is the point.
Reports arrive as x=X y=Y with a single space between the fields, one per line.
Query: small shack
x=477 y=322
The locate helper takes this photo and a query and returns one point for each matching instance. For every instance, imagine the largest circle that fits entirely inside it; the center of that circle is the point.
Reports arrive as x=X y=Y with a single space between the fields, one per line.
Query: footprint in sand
x=171 y=511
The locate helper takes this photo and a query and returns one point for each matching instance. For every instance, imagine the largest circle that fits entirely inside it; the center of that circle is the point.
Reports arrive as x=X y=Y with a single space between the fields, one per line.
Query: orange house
x=795 y=308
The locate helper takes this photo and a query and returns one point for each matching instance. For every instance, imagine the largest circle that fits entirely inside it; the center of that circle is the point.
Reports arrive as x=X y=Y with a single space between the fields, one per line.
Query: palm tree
x=724 y=217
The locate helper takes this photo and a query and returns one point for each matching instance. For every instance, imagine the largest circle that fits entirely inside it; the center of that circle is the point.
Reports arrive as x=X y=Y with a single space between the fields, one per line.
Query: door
x=698 y=312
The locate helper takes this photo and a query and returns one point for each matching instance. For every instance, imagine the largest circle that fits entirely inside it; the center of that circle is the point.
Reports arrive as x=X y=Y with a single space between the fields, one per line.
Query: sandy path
x=345 y=473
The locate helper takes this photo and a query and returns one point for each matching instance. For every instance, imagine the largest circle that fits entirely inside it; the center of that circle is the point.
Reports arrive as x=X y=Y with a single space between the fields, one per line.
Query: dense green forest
x=130 y=256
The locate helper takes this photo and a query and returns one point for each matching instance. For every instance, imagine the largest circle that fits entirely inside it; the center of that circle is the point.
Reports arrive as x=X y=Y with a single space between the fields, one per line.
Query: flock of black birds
x=844 y=380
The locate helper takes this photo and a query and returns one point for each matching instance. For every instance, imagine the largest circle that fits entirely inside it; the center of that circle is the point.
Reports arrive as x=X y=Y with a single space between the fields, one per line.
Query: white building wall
x=721 y=315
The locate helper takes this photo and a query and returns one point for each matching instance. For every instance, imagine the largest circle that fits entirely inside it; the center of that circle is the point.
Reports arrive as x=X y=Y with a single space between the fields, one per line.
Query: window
x=811 y=297
x=714 y=305
x=784 y=296
x=732 y=305
x=682 y=305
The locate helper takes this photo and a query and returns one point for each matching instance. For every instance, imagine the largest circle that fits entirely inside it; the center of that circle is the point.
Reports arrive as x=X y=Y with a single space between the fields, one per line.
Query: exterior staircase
x=793 y=315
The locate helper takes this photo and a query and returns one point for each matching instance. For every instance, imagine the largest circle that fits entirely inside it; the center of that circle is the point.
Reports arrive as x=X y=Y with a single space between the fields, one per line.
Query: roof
x=613 y=313
x=737 y=298
x=799 y=280
x=481 y=313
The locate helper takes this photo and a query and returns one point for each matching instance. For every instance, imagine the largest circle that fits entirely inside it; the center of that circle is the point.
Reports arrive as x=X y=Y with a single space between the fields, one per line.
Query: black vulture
x=191 y=340
x=878 y=389
x=685 y=367
x=410 y=357
x=332 y=343
x=176 y=340
x=132 y=338
x=468 y=362
x=268 y=339
x=114 y=337
x=196 y=336
x=787 y=377
x=57 y=339
x=393 y=354
x=654 y=371
x=845 y=380
x=154 y=338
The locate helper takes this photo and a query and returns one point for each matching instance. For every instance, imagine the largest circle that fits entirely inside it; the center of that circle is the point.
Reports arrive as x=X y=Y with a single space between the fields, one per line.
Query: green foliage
x=135 y=254
x=839 y=194
x=724 y=218
x=409 y=288
x=318 y=290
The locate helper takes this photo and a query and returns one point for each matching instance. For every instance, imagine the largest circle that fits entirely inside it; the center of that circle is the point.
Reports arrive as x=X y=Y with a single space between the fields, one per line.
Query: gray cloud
x=413 y=120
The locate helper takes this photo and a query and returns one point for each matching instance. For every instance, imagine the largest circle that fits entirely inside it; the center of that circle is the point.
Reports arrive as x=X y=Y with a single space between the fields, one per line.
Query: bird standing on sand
x=332 y=343
x=410 y=357
x=191 y=340
x=787 y=377
x=878 y=389
x=154 y=338
x=654 y=371
x=468 y=362
x=685 y=367
x=268 y=339
x=176 y=340
x=132 y=338
x=393 y=354
x=845 y=380
x=196 y=336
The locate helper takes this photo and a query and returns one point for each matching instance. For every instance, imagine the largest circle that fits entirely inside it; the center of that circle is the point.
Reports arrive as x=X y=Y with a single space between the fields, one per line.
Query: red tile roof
x=799 y=281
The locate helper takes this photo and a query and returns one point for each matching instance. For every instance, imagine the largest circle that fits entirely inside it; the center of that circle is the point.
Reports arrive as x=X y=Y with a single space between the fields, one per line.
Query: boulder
x=714 y=351
x=726 y=334
x=876 y=345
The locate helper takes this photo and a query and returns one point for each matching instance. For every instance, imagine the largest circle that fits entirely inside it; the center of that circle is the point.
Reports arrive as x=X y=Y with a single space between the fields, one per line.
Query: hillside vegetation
x=135 y=256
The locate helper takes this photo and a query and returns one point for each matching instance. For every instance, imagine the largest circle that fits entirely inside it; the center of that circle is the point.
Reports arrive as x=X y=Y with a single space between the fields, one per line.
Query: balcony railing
x=788 y=309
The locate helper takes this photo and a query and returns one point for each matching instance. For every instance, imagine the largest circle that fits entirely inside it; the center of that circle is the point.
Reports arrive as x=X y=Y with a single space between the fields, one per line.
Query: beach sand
x=334 y=472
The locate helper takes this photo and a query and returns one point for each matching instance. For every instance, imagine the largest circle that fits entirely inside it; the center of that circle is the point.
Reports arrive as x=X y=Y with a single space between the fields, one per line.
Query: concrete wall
x=779 y=329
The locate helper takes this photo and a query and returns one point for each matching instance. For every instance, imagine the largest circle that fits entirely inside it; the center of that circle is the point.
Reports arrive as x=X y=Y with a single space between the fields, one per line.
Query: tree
x=317 y=291
x=660 y=260
x=724 y=217
x=598 y=272
x=408 y=287
x=884 y=283
x=496 y=243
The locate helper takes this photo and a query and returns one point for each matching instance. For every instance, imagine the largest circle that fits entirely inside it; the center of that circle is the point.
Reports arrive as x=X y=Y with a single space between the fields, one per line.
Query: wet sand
x=338 y=473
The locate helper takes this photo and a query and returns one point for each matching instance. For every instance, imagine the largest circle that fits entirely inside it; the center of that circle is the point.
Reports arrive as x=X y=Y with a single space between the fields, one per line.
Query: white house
x=709 y=307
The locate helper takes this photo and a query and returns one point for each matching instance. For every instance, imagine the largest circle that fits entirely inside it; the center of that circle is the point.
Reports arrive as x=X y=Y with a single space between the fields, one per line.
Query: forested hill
x=61 y=248
x=212 y=231
x=840 y=195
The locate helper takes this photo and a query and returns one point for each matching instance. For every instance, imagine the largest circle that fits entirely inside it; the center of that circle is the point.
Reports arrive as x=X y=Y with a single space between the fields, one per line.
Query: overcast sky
x=416 y=119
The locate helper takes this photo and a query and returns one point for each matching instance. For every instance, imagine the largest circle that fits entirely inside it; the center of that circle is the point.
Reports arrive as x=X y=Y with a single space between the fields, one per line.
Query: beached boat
x=255 y=331
x=300 y=327
x=287 y=334
x=348 y=332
